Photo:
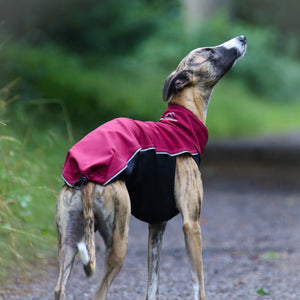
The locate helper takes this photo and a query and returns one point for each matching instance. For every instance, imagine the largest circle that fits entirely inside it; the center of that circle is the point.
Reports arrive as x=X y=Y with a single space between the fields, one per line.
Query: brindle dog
x=107 y=208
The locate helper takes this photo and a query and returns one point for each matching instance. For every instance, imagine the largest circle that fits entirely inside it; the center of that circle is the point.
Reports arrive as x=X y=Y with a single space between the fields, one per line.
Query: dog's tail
x=87 y=246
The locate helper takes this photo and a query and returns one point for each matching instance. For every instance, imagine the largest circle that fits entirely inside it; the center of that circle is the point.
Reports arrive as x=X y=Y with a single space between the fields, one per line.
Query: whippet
x=149 y=169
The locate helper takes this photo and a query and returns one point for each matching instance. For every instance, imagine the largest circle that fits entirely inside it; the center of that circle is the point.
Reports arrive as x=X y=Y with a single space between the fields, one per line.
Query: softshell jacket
x=141 y=153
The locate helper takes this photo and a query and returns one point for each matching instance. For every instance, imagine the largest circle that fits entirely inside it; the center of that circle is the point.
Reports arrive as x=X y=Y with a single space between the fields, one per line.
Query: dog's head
x=204 y=67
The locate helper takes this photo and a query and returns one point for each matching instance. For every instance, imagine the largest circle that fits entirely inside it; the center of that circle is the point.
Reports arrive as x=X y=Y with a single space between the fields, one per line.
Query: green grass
x=30 y=163
x=29 y=186
x=27 y=204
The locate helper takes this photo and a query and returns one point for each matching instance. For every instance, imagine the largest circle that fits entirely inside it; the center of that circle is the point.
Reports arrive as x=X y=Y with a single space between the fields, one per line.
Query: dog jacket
x=143 y=154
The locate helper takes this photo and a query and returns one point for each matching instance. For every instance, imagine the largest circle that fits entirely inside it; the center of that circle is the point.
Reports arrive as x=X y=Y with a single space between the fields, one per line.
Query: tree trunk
x=197 y=11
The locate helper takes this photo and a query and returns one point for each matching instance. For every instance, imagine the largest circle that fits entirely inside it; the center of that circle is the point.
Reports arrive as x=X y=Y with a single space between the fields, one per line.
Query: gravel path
x=251 y=241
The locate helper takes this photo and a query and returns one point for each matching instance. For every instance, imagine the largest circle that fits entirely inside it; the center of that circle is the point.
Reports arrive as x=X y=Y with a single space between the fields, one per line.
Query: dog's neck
x=194 y=100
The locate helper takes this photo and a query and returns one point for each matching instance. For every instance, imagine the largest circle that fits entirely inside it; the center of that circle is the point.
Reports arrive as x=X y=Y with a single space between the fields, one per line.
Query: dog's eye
x=210 y=51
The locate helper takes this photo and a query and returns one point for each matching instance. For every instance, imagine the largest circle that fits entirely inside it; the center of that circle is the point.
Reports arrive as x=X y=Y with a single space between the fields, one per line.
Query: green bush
x=94 y=89
x=107 y=27
x=268 y=68
x=234 y=110
x=90 y=95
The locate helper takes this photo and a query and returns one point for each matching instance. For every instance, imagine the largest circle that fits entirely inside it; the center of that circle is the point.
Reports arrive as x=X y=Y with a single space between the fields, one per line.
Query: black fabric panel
x=149 y=178
x=150 y=183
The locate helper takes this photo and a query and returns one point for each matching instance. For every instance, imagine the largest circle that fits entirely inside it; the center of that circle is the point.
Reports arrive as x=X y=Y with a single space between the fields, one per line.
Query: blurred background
x=67 y=66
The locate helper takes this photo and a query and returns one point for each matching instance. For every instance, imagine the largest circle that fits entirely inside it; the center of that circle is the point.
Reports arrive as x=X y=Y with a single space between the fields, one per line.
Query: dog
x=148 y=169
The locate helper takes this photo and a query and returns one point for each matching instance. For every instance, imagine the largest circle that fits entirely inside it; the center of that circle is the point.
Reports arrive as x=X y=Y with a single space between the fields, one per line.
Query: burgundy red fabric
x=117 y=149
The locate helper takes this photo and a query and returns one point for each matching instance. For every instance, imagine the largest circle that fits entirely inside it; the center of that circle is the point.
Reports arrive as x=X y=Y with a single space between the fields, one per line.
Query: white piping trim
x=138 y=150
x=182 y=152
x=167 y=153
x=144 y=150
x=67 y=183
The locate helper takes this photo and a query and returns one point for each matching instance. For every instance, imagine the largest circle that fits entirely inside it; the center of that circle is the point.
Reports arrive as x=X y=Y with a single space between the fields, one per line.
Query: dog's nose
x=242 y=39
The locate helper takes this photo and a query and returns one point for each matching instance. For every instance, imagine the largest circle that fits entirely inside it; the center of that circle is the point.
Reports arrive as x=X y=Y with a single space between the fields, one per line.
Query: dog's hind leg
x=69 y=224
x=156 y=232
x=112 y=212
x=66 y=260
x=189 y=195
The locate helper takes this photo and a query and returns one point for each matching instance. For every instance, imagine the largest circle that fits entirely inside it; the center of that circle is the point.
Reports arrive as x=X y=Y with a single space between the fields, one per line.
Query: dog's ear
x=176 y=82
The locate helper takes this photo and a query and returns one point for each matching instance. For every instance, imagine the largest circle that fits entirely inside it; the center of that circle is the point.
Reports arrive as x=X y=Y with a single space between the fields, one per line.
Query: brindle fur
x=107 y=208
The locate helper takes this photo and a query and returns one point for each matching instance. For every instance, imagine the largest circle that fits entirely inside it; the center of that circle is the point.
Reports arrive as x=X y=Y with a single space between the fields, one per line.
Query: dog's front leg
x=156 y=232
x=188 y=195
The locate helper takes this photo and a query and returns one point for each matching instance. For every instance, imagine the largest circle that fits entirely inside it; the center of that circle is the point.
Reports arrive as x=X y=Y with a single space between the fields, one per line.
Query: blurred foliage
x=282 y=15
x=107 y=27
x=91 y=95
x=237 y=111
x=80 y=51
x=96 y=88
x=269 y=68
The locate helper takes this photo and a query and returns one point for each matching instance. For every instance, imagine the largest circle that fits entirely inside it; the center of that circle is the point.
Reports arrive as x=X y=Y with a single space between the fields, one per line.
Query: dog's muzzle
x=240 y=43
